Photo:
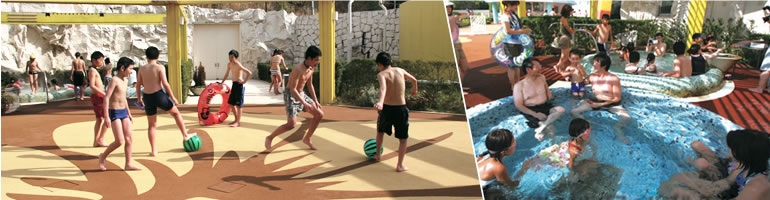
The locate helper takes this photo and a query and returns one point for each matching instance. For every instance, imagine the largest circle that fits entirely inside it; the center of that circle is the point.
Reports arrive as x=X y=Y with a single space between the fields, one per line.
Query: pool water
x=660 y=132
x=663 y=63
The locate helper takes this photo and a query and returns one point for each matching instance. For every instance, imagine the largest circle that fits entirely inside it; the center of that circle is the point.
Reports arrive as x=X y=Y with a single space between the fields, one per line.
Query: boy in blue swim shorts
x=575 y=73
x=119 y=118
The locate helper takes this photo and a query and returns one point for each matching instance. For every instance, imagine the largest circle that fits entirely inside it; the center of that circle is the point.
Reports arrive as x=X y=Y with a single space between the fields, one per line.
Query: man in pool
x=682 y=64
x=607 y=95
x=531 y=97
x=296 y=100
x=657 y=46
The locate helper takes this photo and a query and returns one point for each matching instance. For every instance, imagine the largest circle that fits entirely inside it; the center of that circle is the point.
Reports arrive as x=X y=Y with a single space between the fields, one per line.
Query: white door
x=211 y=43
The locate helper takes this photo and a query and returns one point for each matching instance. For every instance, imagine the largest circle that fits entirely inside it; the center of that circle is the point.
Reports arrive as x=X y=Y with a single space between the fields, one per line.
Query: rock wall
x=261 y=32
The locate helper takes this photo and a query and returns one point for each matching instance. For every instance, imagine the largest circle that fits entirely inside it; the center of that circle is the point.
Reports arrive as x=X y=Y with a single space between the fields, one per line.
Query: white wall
x=212 y=45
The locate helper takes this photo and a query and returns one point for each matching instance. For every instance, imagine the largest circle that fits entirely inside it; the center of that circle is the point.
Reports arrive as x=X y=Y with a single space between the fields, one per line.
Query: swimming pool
x=663 y=63
x=660 y=134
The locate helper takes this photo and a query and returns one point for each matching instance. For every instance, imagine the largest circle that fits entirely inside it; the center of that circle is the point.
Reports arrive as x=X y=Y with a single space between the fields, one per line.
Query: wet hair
x=629 y=47
x=13 y=80
x=679 y=48
x=511 y=2
x=383 y=58
x=152 y=53
x=659 y=34
x=578 y=126
x=751 y=148
x=709 y=38
x=606 y=16
x=233 y=53
x=604 y=61
x=77 y=55
x=566 y=10
x=498 y=141
x=124 y=62
x=650 y=57
x=634 y=57
x=96 y=55
x=574 y=52
x=312 y=52
x=277 y=52
x=107 y=61
x=696 y=36
x=694 y=49
x=528 y=63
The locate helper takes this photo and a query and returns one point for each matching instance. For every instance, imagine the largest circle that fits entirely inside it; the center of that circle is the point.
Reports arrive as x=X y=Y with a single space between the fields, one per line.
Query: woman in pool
x=500 y=143
x=744 y=176
x=650 y=67
x=563 y=154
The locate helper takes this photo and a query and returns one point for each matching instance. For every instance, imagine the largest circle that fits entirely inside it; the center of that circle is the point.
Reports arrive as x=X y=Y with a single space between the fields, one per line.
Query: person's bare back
x=118 y=98
x=604 y=85
x=151 y=77
x=685 y=66
x=534 y=91
x=394 y=92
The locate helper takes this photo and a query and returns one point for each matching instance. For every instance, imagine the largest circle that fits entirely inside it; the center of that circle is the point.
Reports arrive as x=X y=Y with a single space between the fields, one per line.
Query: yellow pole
x=183 y=34
x=326 y=23
x=174 y=57
x=594 y=5
x=522 y=9
x=695 y=16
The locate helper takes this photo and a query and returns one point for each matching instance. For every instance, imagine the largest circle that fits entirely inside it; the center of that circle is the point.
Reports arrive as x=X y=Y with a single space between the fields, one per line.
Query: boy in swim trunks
x=296 y=100
x=531 y=97
x=607 y=95
x=576 y=74
x=119 y=115
x=236 y=92
x=97 y=98
x=392 y=105
x=604 y=38
x=77 y=75
x=33 y=69
x=152 y=77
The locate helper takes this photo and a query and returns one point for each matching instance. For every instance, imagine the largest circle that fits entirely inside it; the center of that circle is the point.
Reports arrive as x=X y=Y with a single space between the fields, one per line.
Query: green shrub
x=187 y=67
x=7 y=100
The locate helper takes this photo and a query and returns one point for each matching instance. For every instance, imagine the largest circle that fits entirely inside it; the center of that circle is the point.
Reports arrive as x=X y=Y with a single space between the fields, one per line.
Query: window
x=665 y=8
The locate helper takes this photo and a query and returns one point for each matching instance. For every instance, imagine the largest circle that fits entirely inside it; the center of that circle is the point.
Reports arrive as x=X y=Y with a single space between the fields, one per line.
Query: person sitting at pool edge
x=607 y=95
x=682 y=64
x=658 y=47
x=631 y=67
x=698 y=59
x=499 y=143
x=531 y=96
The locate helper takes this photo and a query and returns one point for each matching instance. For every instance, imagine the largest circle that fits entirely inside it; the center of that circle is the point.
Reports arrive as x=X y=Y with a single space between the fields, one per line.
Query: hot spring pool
x=664 y=63
x=660 y=132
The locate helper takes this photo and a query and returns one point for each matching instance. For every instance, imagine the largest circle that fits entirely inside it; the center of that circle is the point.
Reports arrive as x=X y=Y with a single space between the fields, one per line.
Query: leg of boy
x=151 y=126
x=318 y=115
x=577 y=112
x=624 y=119
x=117 y=131
x=401 y=153
x=291 y=122
x=128 y=135
x=379 y=145
x=100 y=128
x=179 y=123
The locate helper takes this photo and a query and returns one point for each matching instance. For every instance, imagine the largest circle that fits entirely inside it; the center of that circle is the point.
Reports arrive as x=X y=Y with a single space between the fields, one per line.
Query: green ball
x=192 y=144
x=370 y=148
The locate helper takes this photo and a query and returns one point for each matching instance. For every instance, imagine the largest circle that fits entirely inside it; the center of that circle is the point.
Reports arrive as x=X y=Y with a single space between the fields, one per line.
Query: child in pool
x=563 y=154
x=650 y=67
x=576 y=74
x=500 y=143
x=631 y=67
x=626 y=51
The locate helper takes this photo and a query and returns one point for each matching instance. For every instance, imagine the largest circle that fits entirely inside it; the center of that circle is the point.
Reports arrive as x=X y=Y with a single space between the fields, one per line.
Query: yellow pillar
x=594 y=7
x=174 y=53
x=522 y=9
x=695 y=16
x=326 y=23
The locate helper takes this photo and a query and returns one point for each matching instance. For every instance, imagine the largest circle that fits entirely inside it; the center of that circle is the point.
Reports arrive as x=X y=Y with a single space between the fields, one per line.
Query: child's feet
x=308 y=143
x=130 y=167
x=268 y=144
x=539 y=132
x=101 y=162
x=188 y=136
x=100 y=144
x=377 y=157
x=235 y=124
x=757 y=90
x=401 y=168
x=154 y=153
